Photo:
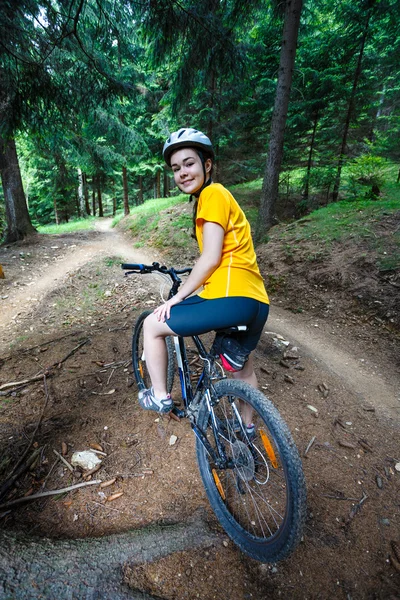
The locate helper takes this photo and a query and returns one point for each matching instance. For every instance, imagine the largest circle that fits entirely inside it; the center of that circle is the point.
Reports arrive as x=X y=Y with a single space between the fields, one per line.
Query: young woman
x=233 y=290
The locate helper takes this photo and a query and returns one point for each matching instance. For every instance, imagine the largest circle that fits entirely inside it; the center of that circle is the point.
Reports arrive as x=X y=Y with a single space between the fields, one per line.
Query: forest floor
x=67 y=311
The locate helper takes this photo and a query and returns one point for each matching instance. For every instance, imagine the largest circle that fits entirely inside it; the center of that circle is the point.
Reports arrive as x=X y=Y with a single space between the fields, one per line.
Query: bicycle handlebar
x=140 y=268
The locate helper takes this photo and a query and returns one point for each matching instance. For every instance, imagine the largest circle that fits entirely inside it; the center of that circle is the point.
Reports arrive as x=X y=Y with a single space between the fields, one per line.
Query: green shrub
x=367 y=171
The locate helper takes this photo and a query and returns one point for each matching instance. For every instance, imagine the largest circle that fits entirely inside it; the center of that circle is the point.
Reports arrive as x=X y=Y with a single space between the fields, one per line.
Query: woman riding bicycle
x=233 y=289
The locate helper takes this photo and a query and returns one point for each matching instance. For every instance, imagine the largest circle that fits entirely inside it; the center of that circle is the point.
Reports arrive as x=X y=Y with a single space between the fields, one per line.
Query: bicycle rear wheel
x=260 y=498
x=139 y=360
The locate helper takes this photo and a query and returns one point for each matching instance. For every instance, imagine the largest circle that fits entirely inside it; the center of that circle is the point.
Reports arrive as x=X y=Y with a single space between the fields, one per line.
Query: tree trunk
x=166 y=184
x=99 y=198
x=18 y=220
x=158 y=185
x=81 y=197
x=140 y=190
x=213 y=118
x=125 y=186
x=32 y=568
x=309 y=160
x=56 y=215
x=79 y=205
x=350 y=109
x=86 y=193
x=114 y=201
x=270 y=188
x=94 y=195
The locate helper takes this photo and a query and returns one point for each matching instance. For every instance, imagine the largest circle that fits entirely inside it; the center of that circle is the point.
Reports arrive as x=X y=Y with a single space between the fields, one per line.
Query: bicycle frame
x=202 y=392
x=191 y=398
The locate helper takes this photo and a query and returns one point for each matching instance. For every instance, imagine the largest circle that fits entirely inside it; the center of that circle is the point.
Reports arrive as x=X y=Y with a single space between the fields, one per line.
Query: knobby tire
x=139 y=360
x=260 y=500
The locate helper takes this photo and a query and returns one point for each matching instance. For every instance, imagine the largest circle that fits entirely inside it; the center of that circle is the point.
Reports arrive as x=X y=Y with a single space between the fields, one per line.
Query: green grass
x=112 y=261
x=356 y=222
x=76 y=225
x=342 y=221
x=144 y=224
x=120 y=215
x=141 y=217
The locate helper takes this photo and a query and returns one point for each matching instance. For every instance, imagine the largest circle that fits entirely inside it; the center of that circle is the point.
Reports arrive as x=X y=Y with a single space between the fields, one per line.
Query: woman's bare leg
x=155 y=351
x=248 y=375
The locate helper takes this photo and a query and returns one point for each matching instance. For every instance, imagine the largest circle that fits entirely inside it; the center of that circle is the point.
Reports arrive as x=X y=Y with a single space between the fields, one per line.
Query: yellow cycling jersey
x=238 y=273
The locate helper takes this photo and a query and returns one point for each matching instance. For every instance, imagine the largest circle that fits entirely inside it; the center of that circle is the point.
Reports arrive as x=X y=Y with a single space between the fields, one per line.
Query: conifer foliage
x=90 y=89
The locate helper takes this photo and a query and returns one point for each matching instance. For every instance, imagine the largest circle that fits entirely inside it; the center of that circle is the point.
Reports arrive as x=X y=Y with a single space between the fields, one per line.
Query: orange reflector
x=141 y=369
x=268 y=448
x=218 y=484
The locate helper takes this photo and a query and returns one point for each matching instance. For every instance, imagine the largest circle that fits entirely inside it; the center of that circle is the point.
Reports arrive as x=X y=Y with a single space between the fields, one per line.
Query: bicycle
x=254 y=483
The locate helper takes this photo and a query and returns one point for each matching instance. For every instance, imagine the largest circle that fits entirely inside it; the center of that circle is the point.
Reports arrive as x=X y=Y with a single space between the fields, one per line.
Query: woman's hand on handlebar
x=163 y=312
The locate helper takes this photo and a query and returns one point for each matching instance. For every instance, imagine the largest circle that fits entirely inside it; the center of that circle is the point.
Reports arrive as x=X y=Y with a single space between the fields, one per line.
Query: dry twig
x=66 y=463
x=37 y=425
x=48 y=493
x=358 y=506
x=12 y=478
x=310 y=443
x=49 y=473
x=5 y=386
x=59 y=363
x=338 y=497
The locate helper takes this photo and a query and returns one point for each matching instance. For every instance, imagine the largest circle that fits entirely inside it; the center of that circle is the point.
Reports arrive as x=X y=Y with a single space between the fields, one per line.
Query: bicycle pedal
x=176 y=414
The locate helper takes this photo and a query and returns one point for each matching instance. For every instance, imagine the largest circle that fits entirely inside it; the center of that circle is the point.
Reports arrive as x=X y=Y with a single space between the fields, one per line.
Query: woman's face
x=188 y=170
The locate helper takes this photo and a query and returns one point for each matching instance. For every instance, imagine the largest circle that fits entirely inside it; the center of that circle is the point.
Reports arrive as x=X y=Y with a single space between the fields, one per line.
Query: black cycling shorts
x=195 y=315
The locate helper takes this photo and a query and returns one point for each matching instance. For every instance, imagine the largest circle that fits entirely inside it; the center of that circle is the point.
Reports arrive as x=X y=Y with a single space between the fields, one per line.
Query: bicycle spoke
x=255 y=499
x=258 y=507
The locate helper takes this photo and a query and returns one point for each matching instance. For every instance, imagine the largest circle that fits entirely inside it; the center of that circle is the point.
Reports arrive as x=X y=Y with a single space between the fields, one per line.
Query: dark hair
x=203 y=157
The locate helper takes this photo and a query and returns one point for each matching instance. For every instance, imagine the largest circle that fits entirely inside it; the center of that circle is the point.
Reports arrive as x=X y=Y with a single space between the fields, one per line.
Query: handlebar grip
x=132 y=267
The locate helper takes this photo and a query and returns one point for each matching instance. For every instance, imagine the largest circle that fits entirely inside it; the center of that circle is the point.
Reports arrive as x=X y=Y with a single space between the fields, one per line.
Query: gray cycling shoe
x=148 y=401
x=249 y=429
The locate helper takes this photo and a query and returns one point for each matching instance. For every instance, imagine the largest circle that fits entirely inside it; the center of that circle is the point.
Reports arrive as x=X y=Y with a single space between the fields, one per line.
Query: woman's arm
x=213 y=239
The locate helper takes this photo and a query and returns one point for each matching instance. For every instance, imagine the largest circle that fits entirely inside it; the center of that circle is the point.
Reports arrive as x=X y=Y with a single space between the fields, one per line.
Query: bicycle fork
x=219 y=458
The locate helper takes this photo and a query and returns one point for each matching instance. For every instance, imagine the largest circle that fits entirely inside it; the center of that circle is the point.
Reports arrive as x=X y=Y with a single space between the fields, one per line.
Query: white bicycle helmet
x=186 y=138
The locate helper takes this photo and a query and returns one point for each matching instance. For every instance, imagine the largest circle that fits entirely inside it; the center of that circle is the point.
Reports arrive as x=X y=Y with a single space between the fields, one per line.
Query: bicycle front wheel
x=259 y=496
x=139 y=360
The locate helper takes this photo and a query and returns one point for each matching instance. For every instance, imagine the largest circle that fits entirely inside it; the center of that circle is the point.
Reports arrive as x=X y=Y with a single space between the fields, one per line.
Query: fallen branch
x=119 y=363
x=66 y=463
x=111 y=374
x=49 y=473
x=59 y=363
x=49 y=493
x=104 y=368
x=19 y=383
x=46 y=391
x=12 y=478
x=357 y=507
x=16 y=385
x=338 y=497
x=93 y=567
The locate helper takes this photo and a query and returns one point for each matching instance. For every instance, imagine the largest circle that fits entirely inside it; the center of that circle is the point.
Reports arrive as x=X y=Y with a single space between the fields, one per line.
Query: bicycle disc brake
x=243 y=461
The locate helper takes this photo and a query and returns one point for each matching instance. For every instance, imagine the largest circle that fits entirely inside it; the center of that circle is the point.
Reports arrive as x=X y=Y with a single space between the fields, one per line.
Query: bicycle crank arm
x=220 y=463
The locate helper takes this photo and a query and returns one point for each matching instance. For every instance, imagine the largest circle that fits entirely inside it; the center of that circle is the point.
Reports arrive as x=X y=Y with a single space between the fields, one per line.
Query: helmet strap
x=206 y=182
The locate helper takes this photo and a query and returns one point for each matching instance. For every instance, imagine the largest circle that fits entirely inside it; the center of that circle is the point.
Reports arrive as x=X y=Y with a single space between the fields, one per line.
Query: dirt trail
x=367 y=375
x=339 y=399
x=30 y=286
x=373 y=382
